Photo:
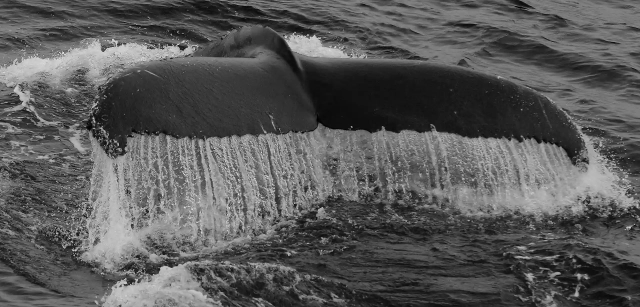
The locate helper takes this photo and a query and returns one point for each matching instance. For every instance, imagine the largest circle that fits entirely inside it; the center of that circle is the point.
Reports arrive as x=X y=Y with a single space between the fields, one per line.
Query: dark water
x=584 y=55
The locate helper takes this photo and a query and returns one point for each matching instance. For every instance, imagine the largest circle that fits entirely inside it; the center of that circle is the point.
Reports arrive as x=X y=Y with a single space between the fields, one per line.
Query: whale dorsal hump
x=252 y=42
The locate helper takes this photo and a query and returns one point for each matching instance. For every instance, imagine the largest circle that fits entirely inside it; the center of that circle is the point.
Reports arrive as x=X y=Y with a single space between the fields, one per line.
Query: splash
x=99 y=64
x=186 y=195
x=228 y=284
x=183 y=196
x=174 y=287
x=57 y=92
x=312 y=46
x=76 y=138
x=25 y=98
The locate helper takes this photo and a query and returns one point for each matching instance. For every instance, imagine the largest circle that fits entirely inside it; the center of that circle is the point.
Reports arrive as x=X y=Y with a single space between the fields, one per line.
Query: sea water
x=502 y=225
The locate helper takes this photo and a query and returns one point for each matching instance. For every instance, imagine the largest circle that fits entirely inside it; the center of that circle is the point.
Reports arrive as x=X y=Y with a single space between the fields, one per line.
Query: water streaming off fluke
x=188 y=194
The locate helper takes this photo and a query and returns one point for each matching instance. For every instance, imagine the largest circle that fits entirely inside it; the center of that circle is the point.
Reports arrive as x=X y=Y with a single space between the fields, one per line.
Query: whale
x=251 y=82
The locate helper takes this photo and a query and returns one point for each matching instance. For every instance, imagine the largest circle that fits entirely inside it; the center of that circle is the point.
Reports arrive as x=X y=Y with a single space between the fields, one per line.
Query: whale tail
x=217 y=147
x=251 y=82
x=251 y=42
x=201 y=96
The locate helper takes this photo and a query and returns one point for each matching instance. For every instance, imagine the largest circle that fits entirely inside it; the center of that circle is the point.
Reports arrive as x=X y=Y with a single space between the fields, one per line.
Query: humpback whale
x=225 y=143
x=251 y=82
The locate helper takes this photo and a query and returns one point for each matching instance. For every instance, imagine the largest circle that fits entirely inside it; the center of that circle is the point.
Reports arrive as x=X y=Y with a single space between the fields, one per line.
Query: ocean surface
x=574 y=243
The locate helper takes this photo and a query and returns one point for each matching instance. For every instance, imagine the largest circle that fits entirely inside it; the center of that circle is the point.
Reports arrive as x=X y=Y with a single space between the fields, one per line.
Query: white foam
x=172 y=287
x=76 y=138
x=179 y=287
x=312 y=46
x=25 y=98
x=99 y=64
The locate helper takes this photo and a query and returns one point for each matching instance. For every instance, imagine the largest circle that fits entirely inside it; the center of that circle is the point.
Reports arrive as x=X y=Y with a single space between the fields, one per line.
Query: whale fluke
x=354 y=94
x=252 y=42
x=251 y=82
x=207 y=96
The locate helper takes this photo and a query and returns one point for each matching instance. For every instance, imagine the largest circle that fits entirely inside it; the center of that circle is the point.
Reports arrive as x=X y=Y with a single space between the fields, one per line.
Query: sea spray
x=212 y=283
x=99 y=64
x=184 y=195
x=175 y=287
x=52 y=96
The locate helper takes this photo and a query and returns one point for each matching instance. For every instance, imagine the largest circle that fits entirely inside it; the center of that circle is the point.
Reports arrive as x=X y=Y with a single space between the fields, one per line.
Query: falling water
x=203 y=192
